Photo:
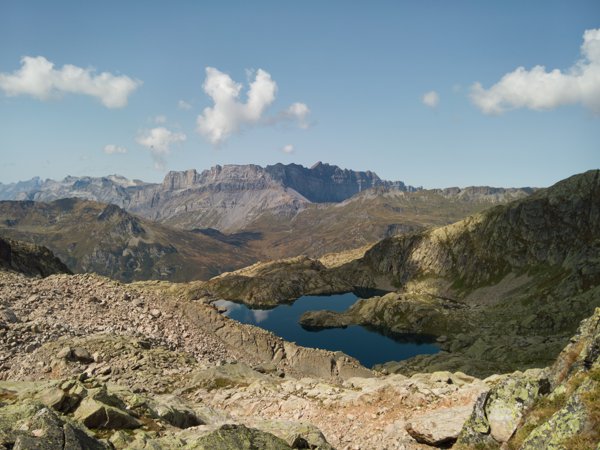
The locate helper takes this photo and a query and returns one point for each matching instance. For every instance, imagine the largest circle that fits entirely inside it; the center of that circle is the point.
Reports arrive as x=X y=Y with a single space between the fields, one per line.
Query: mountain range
x=504 y=292
x=196 y=225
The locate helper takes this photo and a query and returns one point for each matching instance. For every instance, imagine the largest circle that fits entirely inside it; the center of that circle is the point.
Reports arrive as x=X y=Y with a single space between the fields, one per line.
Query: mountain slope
x=94 y=237
x=500 y=290
x=368 y=217
x=29 y=259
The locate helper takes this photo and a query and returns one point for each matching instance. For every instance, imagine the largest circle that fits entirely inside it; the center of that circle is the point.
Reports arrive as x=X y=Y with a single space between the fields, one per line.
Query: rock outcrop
x=555 y=408
x=29 y=259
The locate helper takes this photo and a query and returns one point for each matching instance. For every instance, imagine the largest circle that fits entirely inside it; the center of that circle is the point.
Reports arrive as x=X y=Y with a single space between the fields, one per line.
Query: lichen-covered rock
x=497 y=413
x=508 y=401
x=238 y=437
x=563 y=425
x=30 y=426
x=94 y=414
x=518 y=411
x=296 y=434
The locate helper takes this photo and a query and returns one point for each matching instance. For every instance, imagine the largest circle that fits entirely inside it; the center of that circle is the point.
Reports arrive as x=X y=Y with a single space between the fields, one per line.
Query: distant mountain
x=94 y=237
x=231 y=198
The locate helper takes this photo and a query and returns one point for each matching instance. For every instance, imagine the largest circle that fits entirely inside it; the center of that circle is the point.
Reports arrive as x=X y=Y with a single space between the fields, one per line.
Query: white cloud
x=229 y=114
x=160 y=119
x=539 y=89
x=431 y=99
x=182 y=104
x=298 y=112
x=38 y=78
x=159 y=141
x=112 y=149
x=289 y=149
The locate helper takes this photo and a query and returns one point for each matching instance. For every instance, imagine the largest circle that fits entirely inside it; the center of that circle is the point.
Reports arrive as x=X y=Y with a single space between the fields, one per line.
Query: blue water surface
x=368 y=346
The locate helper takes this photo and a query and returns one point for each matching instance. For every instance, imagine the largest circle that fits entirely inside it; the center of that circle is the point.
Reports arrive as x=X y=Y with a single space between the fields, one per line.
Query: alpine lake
x=368 y=346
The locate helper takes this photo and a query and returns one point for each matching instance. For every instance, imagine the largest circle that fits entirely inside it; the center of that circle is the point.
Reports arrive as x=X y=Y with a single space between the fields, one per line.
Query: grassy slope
x=364 y=219
x=119 y=245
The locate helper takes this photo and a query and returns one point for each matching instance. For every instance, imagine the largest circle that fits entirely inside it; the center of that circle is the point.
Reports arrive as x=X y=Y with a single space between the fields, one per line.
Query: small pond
x=369 y=347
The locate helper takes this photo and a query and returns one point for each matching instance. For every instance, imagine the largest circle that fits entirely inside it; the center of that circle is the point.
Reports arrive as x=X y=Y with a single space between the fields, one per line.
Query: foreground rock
x=25 y=422
x=439 y=428
x=90 y=350
x=554 y=408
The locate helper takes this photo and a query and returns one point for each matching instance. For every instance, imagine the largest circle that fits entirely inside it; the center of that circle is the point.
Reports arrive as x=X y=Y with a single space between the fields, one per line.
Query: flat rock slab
x=439 y=427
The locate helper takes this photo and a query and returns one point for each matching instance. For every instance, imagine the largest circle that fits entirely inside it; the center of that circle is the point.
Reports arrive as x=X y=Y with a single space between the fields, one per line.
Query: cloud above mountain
x=159 y=142
x=431 y=99
x=112 y=149
x=230 y=114
x=539 y=89
x=39 y=79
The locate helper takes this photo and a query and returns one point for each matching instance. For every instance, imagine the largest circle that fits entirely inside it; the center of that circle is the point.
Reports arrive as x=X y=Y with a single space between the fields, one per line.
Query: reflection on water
x=368 y=346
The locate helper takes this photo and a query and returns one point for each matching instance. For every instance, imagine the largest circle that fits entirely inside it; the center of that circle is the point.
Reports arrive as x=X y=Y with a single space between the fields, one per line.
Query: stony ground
x=147 y=340
x=40 y=310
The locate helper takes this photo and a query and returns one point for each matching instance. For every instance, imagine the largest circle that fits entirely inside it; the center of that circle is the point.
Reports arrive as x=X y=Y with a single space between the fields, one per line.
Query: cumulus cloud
x=289 y=149
x=112 y=149
x=298 y=112
x=159 y=141
x=38 y=78
x=230 y=114
x=182 y=104
x=431 y=99
x=539 y=89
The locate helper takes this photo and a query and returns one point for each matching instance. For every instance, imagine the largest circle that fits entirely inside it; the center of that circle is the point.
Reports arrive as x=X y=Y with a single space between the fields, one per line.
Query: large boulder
x=238 y=437
x=564 y=424
x=31 y=426
x=498 y=412
x=440 y=427
x=94 y=414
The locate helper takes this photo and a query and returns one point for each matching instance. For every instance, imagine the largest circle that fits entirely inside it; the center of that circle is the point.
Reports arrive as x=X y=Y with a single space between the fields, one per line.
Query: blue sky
x=358 y=70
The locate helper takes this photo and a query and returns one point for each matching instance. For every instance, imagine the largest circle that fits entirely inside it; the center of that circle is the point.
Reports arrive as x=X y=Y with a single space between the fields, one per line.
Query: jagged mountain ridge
x=228 y=198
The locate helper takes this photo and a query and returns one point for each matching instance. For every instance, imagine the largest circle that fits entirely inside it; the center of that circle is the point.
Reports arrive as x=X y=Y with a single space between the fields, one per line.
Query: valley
x=194 y=225
x=483 y=315
x=299 y=225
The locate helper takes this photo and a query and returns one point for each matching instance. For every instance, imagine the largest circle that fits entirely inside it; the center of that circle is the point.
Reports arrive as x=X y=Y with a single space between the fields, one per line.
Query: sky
x=433 y=93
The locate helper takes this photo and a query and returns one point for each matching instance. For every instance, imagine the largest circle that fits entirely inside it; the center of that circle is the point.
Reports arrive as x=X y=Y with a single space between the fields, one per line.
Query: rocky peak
x=324 y=182
x=180 y=180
